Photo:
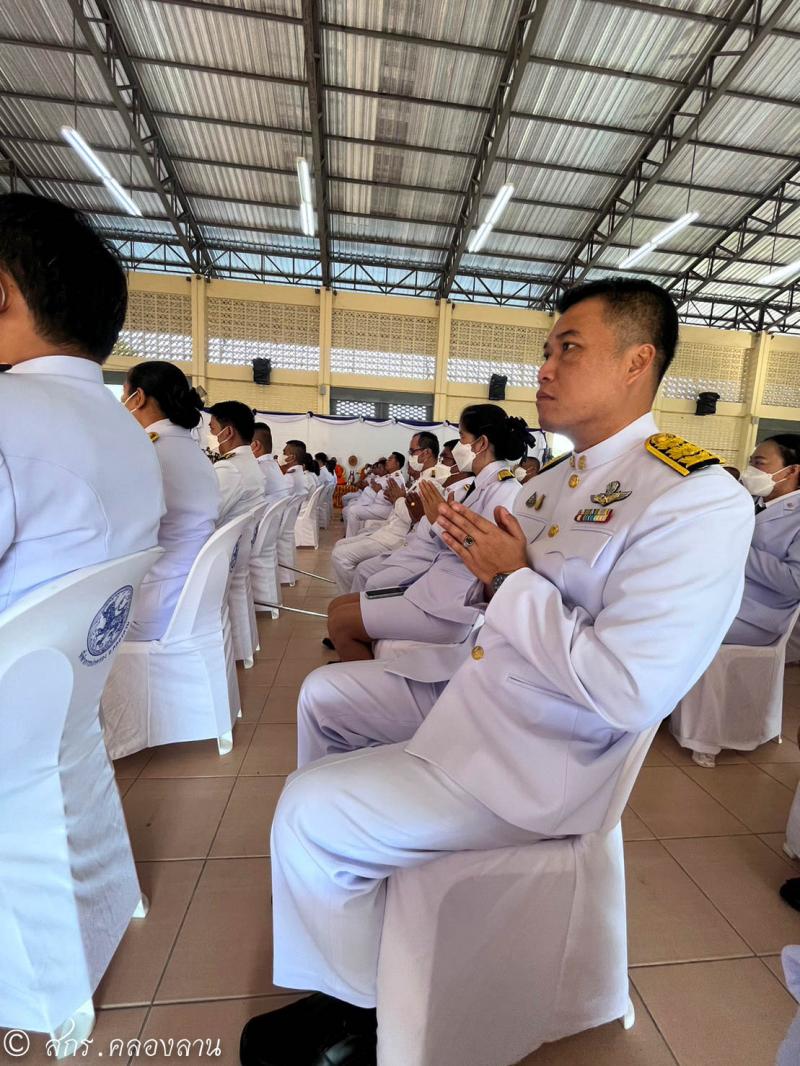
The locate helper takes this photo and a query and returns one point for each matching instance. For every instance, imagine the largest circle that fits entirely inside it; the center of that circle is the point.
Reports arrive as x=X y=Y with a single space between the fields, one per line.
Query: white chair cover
x=306 y=528
x=264 y=557
x=244 y=630
x=792 y=846
x=182 y=687
x=485 y=955
x=738 y=702
x=326 y=507
x=287 y=560
x=68 y=885
x=793 y=647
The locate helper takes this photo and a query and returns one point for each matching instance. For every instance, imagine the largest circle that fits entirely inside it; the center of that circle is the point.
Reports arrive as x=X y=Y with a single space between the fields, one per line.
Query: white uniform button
x=478 y=653
x=552 y=531
x=574 y=481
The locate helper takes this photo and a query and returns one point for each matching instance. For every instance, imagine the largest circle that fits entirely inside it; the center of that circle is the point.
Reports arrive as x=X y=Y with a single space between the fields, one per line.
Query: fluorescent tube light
x=660 y=238
x=307 y=218
x=496 y=208
x=479 y=237
x=780 y=274
x=498 y=205
x=100 y=170
x=304 y=178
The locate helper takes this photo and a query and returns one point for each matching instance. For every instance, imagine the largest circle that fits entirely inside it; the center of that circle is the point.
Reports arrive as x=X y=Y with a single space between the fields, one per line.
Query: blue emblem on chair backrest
x=234 y=555
x=108 y=626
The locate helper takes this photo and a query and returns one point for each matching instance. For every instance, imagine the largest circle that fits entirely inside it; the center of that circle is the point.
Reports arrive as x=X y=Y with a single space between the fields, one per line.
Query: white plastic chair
x=306 y=527
x=264 y=558
x=68 y=886
x=287 y=559
x=244 y=631
x=793 y=646
x=486 y=955
x=738 y=702
x=182 y=687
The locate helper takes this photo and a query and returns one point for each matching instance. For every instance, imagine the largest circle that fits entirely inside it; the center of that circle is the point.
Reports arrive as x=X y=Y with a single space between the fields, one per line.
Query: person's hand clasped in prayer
x=432 y=500
x=487 y=549
x=394 y=491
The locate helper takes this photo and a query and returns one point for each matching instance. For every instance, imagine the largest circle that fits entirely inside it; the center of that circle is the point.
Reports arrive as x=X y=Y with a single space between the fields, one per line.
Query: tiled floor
x=703 y=852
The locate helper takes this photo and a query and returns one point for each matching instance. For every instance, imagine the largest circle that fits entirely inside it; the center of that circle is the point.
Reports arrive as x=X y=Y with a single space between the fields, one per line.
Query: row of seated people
x=606 y=587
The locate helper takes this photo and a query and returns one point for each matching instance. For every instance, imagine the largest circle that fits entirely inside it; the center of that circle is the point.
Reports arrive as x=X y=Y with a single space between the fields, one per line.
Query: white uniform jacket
x=250 y=492
x=275 y=484
x=445 y=589
x=296 y=481
x=598 y=640
x=192 y=497
x=79 y=479
x=772 y=574
x=420 y=550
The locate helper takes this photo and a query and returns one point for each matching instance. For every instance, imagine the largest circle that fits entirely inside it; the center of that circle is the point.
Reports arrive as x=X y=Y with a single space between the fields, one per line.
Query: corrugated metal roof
x=572 y=172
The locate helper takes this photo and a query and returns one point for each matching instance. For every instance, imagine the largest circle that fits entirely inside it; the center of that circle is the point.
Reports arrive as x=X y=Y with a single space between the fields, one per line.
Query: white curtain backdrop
x=343 y=437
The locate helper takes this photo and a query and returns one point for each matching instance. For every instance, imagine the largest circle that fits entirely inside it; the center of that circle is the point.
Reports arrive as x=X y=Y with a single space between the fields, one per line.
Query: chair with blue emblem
x=69 y=886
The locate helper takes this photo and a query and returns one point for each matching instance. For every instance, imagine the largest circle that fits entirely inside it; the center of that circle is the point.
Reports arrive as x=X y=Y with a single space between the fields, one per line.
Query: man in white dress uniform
x=609 y=591
x=98 y=494
x=232 y=428
x=349 y=552
x=276 y=487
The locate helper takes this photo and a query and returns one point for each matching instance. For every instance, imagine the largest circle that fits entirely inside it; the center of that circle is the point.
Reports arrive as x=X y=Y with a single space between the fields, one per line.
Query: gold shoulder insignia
x=678 y=453
x=555 y=462
x=153 y=437
x=504 y=475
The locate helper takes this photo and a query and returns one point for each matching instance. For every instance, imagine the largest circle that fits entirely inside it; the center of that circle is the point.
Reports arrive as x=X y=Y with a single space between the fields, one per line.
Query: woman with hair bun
x=159 y=397
x=431 y=585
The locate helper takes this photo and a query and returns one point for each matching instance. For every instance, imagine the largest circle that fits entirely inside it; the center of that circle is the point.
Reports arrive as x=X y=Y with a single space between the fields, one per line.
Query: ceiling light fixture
x=496 y=208
x=100 y=170
x=307 y=220
x=780 y=274
x=659 y=239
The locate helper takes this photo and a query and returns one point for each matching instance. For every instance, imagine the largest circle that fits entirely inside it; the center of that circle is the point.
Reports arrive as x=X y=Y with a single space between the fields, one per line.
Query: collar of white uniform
x=164 y=428
x=241 y=450
x=613 y=447
x=490 y=472
x=267 y=459
x=62 y=366
x=782 y=499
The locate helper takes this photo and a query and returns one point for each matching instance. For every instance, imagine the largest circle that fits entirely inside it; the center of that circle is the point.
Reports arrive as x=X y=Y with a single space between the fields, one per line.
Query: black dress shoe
x=328 y=643
x=790 y=892
x=316 y=1031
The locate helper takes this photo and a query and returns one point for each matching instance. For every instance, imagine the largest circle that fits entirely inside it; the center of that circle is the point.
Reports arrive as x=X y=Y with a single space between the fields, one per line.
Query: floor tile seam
x=741 y=936
x=179 y=930
x=777 y=978
x=701 y=836
x=756 y=766
x=652 y=1018
x=225 y=999
x=724 y=957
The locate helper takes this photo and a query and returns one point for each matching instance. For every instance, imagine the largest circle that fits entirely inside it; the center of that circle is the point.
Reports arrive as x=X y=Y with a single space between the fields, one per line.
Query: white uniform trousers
x=352 y=551
x=347 y=706
x=342 y=826
x=369 y=568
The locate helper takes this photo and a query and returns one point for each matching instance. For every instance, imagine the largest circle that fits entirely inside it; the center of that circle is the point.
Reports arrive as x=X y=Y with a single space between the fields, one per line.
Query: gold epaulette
x=504 y=475
x=153 y=437
x=679 y=453
x=555 y=462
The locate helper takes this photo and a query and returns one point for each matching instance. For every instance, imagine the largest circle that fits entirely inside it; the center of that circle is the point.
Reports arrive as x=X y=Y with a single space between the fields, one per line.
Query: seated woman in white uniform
x=772 y=574
x=161 y=400
x=434 y=608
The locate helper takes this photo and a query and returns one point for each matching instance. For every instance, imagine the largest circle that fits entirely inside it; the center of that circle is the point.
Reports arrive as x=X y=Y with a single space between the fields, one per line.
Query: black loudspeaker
x=707 y=403
x=497 y=387
x=262 y=368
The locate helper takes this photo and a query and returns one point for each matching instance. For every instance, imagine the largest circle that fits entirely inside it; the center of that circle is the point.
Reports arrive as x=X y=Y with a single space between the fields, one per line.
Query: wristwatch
x=497 y=581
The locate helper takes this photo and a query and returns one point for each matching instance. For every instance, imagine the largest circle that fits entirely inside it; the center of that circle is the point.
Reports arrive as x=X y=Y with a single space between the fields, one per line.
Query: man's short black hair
x=298 y=444
x=264 y=434
x=321 y=457
x=429 y=441
x=642 y=312
x=235 y=414
x=450 y=444
x=71 y=281
x=400 y=459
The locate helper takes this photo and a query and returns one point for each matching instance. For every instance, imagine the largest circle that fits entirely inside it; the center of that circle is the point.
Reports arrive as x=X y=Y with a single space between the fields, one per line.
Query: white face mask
x=464 y=457
x=520 y=473
x=414 y=463
x=760 y=482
